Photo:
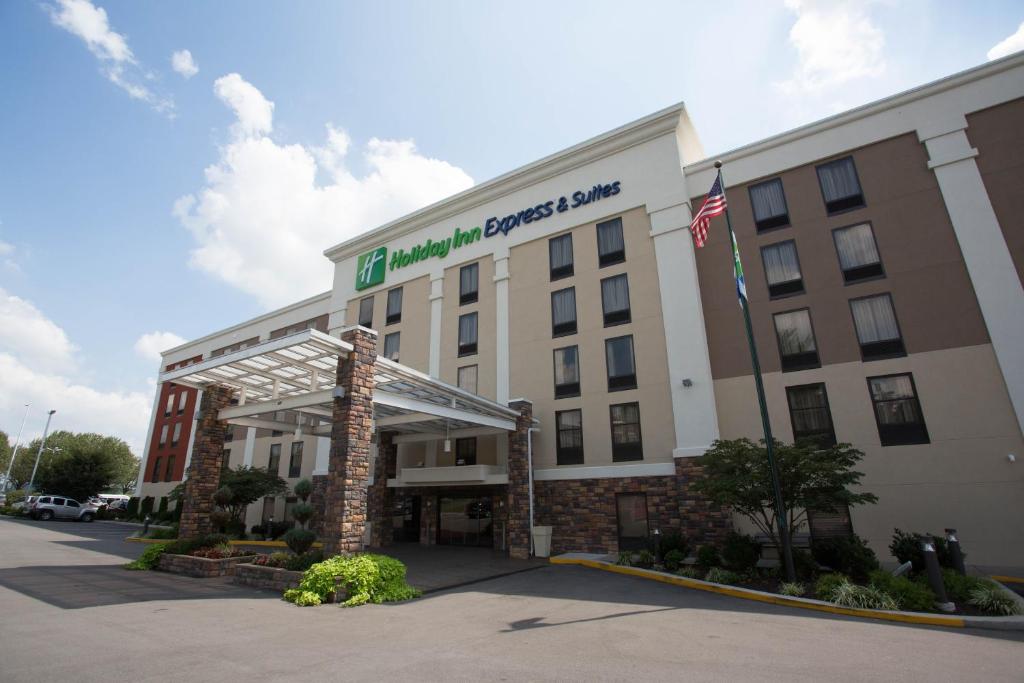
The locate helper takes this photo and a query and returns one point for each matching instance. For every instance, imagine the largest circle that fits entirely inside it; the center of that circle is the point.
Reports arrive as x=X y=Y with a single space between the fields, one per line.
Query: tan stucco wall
x=414 y=326
x=486 y=355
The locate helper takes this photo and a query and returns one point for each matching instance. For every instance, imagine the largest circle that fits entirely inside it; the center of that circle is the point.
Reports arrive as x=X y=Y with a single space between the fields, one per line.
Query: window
x=615 y=300
x=182 y=399
x=230 y=434
x=268 y=508
x=610 y=246
x=163 y=435
x=621 y=364
x=274 y=464
x=394 y=311
x=469 y=283
x=289 y=504
x=897 y=410
x=467 y=378
x=170 y=405
x=877 y=329
x=569 y=447
x=560 y=254
x=810 y=415
x=467 y=334
x=858 y=253
x=71 y=503
x=797 y=347
x=769 y=203
x=567 y=372
x=58 y=501
x=176 y=436
x=295 y=463
x=156 y=470
x=465 y=451
x=169 y=471
x=782 y=269
x=366 y=312
x=626 y=441
x=563 y=312
x=840 y=187
x=225 y=461
x=391 y=344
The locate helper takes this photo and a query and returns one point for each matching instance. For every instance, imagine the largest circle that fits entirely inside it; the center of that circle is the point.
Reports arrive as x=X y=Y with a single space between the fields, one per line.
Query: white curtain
x=856 y=246
x=570 y=429
x=768 y=200
x=468 y=277
x=809 y=411
x=391 y=345
x=563 y=306
x=560 y=249
x=567 y=369
x=625 y=423
x=394 y=302
x=795 y=333
x=615 y=294
x=467 y=378
x=619 y=353
x=838 y=180
x=874 y=319
x=780 y=263
x=895 y=400
x=609 y=237
x=467 y=329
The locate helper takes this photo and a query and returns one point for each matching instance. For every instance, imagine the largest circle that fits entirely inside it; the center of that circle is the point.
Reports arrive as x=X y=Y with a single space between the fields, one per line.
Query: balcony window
x=170 y=405
x=391 y=345
x=163 y=435
x=897 y=410
x=858 y=253
x=469 y=283
x=465 y=451
x=877 y=329
x=176 y=435
x=182 y=399
x=840 y=187
x=782 y=269
x=627 y=443
x=810 y=415
x=621 y=363
x=394 y=310
x=611 y=248
x=467 y=378
x=295 y=463
x=563 y=312
x=797 y=346
x=467 y=334
x=560 y=255
x=274 y=463
x=768 y=201
x=567 y=372
x=366 y=312
x=615 y=300
x=569 y=427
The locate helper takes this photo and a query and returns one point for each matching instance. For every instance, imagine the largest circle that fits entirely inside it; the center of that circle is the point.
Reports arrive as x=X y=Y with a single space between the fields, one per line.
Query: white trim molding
x=652 y=469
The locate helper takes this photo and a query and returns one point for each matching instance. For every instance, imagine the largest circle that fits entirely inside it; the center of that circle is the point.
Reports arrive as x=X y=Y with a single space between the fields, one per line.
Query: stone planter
x=201 y=567
x=266 y=578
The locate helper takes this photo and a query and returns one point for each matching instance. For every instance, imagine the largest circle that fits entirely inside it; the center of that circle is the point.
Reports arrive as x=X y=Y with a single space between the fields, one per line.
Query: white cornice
x=632 y=134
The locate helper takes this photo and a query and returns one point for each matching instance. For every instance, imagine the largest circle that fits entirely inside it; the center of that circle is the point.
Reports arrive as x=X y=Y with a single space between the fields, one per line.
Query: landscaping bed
x=201 y=567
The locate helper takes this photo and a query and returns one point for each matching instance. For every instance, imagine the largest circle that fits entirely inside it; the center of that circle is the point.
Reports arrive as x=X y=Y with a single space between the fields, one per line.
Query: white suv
x=60 y=507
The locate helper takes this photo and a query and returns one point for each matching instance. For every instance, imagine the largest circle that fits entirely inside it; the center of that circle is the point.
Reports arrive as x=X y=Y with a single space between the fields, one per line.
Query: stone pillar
x=380 y=501
x=519 y=482
x=318 y=499
x=349 y=464
x=205 y=467
x=702 y=522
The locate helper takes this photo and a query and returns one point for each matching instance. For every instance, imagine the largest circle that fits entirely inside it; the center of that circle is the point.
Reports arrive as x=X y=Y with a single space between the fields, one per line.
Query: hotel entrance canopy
x=289 y=384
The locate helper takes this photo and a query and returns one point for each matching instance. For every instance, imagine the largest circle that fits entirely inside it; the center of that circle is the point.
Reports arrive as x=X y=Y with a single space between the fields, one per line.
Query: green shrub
x=299 y=540
x=300 y=563
x=991 y=599
x=16 y=496
x=162 y=507
x=673 y=539
x=804 y=565
x=793 y=590
x=673 y=559
x=908 y=595
x=132 y=510
x=719 y=575
x=303 y=489
x=625 y=558
x=707 y=557
x=849 y=555
x=690 y=573
x=906 y=547
x=849 y=594
x=187 y=546
x=958 y=586
x=165 y=534
x=740 y=552
x=146 y=506
x=826 y=585
x=302 y=513
x=366 y=577
x=644 y=559
x=149 y=558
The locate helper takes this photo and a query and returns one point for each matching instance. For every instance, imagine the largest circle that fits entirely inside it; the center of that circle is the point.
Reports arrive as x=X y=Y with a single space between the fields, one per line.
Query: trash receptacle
x=541 y=541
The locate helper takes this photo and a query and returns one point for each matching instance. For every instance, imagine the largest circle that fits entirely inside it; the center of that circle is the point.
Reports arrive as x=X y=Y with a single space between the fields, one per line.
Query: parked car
x=25 y=503
x=60 y=507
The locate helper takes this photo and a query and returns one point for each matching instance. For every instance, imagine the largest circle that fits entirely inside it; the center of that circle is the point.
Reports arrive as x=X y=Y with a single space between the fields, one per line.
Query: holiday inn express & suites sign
x=372 y=266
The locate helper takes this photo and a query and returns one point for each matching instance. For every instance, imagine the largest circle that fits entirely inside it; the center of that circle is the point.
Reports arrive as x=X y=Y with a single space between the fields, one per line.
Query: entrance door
x=406 y=520
x=631 y=512
x=465 y=521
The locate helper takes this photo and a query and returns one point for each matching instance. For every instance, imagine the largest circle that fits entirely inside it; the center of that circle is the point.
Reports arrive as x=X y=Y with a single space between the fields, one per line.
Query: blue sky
x=139 y=196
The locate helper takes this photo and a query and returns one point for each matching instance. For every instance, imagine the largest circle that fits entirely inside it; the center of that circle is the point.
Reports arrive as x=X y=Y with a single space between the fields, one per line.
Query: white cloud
x=90 y=23
x=836 y=42
x=182 y=62
x=26 y=332
x=151 y=344
x=262 y=220
x=1008 y=46
x=6 y=249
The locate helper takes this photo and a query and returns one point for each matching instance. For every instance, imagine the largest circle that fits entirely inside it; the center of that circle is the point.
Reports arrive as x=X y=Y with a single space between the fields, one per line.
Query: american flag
x=714 y=205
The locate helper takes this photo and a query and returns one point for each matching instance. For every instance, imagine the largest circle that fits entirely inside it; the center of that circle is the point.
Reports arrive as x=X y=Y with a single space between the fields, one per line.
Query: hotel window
x=274 y=464
x=782 y=269
x=391 y=343
x=394 y=310
x=170 y=405
x=229 y=435
x=769 y=203
x=567 y=372
x=182 y=398
x=467 y=334
x=560 y=255
x=610 y=246
x=163 y=435
x=569 y=448
x=225 y=461
x=465 y=451
x=289 y=504
x=626 y=441
x=615 y=300
x=469 y=283
x=621 y=363
x=467 y=378
x=169 y=469
x=797 y=347
x=295 y=463
x=268 y=509
x=858 y=253
x=897 y=410
x=366 y=312
x=176 y=435
x=877 y=329
x=156 y=471
x=563 y=312
x=810 y=415
x=840 y=187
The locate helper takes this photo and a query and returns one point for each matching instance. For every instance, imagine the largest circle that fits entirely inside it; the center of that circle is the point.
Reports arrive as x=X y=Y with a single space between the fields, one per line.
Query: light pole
x=17 y=443
x=46 y=430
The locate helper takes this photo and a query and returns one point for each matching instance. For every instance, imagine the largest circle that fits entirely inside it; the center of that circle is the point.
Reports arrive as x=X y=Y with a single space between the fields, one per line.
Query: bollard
x=145 y=525
x=931 y=563
x=657 y=546
x=955 y=552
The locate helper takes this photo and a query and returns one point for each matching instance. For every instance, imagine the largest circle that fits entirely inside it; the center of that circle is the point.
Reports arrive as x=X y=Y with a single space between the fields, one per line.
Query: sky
x=170 y=169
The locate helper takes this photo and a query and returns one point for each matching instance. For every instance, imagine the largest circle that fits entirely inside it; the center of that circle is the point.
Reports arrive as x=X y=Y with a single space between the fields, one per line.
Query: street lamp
x=17 y=443
x=46 y=430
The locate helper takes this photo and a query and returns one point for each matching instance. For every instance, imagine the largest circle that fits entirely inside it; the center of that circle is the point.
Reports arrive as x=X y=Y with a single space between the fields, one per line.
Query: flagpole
x=780 y=511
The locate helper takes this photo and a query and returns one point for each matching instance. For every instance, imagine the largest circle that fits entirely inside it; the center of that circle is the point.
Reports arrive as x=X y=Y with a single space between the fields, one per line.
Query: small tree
x=245 y=485
x=736 y=476
x=303 y=512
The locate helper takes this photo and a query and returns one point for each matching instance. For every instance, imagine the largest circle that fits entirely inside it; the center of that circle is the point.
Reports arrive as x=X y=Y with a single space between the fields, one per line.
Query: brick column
x=379 y=496
x=207 y=460
x=519 y=483
x=349 y=465
x=702 y=522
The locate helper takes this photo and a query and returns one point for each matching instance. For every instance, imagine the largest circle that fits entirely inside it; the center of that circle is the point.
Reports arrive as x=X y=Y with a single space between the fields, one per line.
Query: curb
x=1006 y=579
x=996 y=623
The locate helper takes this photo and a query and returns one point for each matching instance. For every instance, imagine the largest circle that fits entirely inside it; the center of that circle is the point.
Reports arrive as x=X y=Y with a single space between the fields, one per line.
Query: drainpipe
x=529 y=466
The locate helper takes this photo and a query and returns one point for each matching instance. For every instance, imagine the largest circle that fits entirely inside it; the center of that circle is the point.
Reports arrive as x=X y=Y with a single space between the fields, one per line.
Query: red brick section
x=702 y=521
x=518 y=483
x=349 y=464
x=207 y=459
x=379 y=495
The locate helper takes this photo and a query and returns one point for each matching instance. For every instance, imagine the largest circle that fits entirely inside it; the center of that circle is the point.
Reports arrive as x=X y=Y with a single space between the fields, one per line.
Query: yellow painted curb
x=1006 y=579
x=908 y=618
x=259 y=544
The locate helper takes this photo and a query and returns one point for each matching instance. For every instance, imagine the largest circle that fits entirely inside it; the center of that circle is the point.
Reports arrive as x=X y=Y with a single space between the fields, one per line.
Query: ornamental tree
x=736 y=476
x=243 y=486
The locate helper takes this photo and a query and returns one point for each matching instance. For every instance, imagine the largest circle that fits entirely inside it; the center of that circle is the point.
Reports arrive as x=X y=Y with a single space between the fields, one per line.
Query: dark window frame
x=398 y=337
x=557 y=273
x=845 y=204
x=459 y=444
x=617 y=317
x=894 y=438
x=361 y=320
x=773 y=222
x=622 y=382
x=786 y=289
x=293 y=471
x=468 y=349
x=611 y=258
x=157 y=469
x=394 y=318
x=830 y=439
x=565 y=329
x=568 y=455
x=570 y=389
x=891 y=348
x=473 y=296
x=270 y=459
x=865 y=273
x=169 y=468
x=799 y=361
x=629 y=451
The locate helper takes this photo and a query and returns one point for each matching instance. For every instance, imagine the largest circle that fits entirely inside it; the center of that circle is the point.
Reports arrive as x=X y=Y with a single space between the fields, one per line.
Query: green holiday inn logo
x=370 y=268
